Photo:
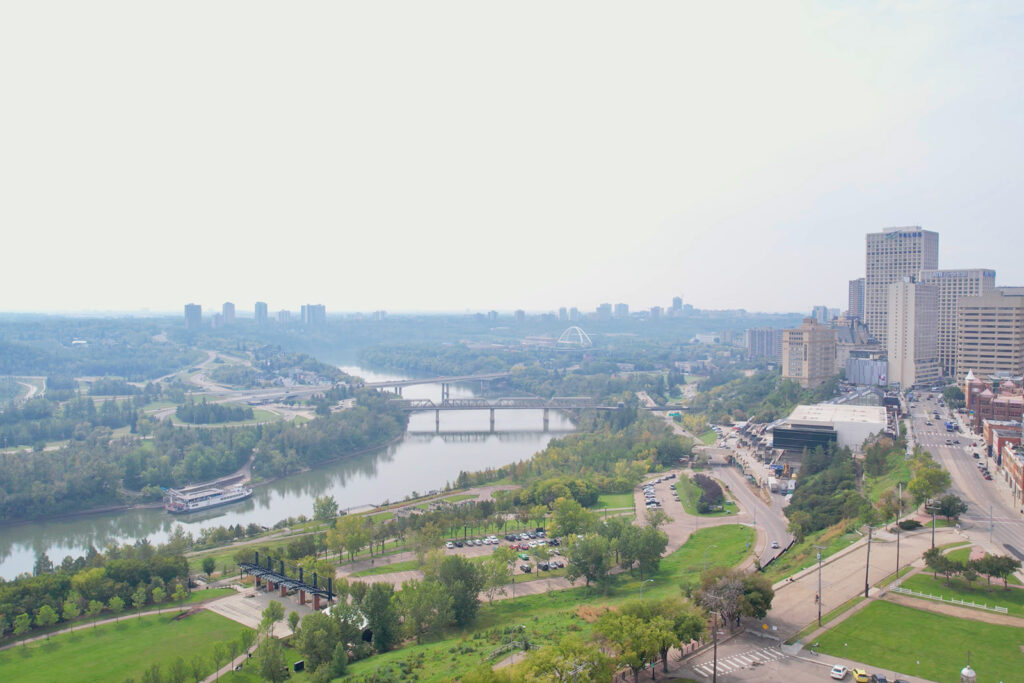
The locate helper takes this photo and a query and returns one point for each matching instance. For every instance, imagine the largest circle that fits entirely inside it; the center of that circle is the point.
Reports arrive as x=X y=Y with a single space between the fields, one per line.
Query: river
x=421 y=461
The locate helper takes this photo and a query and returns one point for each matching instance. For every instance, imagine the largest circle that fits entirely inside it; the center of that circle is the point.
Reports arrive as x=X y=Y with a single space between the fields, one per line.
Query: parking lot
x=526 y=545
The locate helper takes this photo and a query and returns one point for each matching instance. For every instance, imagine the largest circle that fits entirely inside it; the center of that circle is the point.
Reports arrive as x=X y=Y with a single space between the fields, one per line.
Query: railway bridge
x=566 y=403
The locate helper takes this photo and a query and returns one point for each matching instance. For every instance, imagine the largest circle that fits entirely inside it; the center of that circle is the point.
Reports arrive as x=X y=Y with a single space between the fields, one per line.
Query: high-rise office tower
x=284 y=316
x=820 y=313
x=604 y=311
x=574 y=314
x=563 y=314
x=809 y=353
x=193 y=316
x=990 y=334
x=893 y=254
x=951 y=286
x=261 y=312
x=519 y=315
x=227 y=313
x=677 y=304
x=655 y=312
x=912 y=346
x=313 y=314
x=621 y=310
x=765 y=343
x=855 y=306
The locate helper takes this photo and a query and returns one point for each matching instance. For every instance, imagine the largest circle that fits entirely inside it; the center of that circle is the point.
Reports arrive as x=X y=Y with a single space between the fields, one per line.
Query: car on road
x=838 y=672
x=977 y=456
x=775 y=544
x=861 y=676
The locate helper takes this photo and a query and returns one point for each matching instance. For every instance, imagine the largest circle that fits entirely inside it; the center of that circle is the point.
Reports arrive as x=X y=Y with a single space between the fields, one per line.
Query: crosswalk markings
x=743 y=660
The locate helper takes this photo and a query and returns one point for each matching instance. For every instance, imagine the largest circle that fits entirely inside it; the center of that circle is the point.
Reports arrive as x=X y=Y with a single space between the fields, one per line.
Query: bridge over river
x=566 y=403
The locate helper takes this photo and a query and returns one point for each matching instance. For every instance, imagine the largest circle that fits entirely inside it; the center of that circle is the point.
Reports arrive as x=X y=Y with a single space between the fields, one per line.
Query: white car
x=449 y=545
x=838 y=672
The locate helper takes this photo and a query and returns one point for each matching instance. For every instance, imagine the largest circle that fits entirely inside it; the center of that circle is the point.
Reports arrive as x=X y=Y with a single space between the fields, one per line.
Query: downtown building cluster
x=310 y=314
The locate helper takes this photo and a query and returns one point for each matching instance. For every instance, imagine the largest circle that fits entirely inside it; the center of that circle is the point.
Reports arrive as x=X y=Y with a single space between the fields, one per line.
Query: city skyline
x=673 y=150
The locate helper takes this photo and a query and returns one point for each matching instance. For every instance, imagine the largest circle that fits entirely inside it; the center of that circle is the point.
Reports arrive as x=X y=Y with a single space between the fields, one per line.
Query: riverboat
x=200 y=498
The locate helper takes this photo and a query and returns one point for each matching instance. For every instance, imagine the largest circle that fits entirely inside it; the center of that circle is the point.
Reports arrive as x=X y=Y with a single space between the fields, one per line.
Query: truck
x=950 y=426
x=773 y=484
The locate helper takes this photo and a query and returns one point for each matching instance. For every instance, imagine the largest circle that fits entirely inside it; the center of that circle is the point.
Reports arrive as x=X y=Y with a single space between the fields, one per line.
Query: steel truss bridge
x=278 y=579
x=565 y=403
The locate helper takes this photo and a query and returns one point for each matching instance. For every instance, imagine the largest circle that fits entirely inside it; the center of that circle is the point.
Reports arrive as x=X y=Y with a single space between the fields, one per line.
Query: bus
x=950 y=426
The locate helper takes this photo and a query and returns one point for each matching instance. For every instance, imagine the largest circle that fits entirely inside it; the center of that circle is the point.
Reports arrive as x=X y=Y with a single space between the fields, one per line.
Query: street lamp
x=818 y=596
x=642 y=586
x=706 y=555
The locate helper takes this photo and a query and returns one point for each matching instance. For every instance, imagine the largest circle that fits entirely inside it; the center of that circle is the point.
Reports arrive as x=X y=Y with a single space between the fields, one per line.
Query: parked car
x=524 y=556
x=459 y=544
x=542 y=566
x=449 y=545
x=839 y=672
x=861 y=676
x=976 y=456
x=526 y=568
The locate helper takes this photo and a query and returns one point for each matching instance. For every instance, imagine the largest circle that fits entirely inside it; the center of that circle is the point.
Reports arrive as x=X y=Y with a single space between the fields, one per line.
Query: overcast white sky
x=476 y=155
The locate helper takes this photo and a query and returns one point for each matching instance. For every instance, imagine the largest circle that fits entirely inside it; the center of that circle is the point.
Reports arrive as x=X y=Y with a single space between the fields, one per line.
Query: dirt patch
x=186 y=614
x=590 y=614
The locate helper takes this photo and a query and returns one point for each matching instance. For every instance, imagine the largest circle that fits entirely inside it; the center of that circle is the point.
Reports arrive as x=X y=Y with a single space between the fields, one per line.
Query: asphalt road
x=983 y=497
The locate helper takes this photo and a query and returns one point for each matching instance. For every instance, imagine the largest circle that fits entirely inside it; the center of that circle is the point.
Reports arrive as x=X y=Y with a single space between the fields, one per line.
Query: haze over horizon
x=451 y=156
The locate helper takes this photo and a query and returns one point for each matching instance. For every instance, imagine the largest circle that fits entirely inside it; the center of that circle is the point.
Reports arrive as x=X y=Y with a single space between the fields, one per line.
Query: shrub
x=909 y=524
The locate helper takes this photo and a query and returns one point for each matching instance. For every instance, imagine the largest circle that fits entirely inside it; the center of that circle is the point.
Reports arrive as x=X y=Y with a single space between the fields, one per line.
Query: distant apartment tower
x=604 y=311
x=655 y=312
x=677 y=304
x=912 y=346
x=621 y=310
x=217 y=320
x=563 y=314
x=227 y=313
x=765 y=343
x=261 y=312
x=951 y=286
x=820 y=313
x=284 y=316
x=990 y=334
x=574 y=314
x=893 y=254
x=492 y=315
x=520 y=315
x=855 y=306
x=809 y=353
x=193 y=316
x=314 y=314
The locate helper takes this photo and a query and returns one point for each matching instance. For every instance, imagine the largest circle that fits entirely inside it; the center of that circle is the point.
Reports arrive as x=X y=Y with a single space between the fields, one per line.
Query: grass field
x=895 y=638
x=960 y=554
x=898 y=471
x=550 y=616
x=115 y=652
x=258 y=415
x=407 y=565
x=708 y=437
x=614 y=500
x=981 y=592
x=804 y=554
x=689 y=494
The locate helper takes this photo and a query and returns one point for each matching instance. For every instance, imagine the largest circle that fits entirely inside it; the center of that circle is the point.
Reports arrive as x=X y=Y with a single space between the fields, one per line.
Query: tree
x=425 y=607
x=46 y=616
x=645 y=547
x=71 y=610
x=954 y=396
x=1002 y=566
x=757 y=595
x=158 y=595
x=293 y=621
x=463 y=581
x=569 y=518
x=538 y=513
x=273 y=613
x=180 y=595
x=687 y=621
x=139 y=599
x=272 y=664
x=339 y=661
x=349 y=535
x=721 y=591
x=22 y=625
x=177 y=672
x=93 y=611
x=381 y=616
x=116 y=605
x=571 y=659
x=209 y=564
x=497 y=570
x=951 y=506
x=929 y=480
x=197 y=667
x=325 y=508
x=941 y=564
x=588 y=557
x=317 y=638
x=635 y=642
x=220 y=655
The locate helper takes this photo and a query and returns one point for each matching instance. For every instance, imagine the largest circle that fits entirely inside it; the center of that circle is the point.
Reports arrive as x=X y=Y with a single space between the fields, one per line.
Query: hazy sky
x=476 y=155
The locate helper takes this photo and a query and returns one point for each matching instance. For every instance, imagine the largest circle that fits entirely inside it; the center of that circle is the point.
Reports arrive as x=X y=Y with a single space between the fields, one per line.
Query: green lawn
x=407 y=565
x=550 y=616
x=708 y=437
x=896 y=471
x=804 y=554
x=258 y=415
x=689 y=494
x=114 y=652
x=960 y=554
x=614 y=500
x=981 y=592
x=895 y=638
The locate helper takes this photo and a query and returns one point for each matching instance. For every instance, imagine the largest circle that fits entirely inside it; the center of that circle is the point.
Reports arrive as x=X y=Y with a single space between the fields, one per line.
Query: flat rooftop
x=830 y=413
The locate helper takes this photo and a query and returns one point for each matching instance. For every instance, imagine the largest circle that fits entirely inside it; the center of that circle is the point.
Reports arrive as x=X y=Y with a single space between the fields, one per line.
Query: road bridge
x=482 y=436
x=415 y=405
x=445 y=382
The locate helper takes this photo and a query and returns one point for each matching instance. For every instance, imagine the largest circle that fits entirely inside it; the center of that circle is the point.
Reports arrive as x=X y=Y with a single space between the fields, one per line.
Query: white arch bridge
x=566 y=403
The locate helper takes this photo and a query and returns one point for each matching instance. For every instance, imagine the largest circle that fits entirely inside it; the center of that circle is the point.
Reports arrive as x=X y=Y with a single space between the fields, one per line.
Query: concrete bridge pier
x=302 y=597
x=437 y=420
x=492 y=420
x=445 y=392
x=546 y=419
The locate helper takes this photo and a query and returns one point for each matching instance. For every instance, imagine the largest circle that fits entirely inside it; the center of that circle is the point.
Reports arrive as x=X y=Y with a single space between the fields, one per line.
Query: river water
x=421 y=461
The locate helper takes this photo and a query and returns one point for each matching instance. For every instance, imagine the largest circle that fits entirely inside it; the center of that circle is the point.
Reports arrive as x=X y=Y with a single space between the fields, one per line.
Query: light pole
x=867 y=565
x=819 y=601
x=899 y=513
x=706 y=555
x=642 y=586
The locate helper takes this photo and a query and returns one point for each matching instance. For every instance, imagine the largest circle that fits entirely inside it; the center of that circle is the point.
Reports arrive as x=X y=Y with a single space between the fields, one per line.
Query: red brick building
x=998 y=399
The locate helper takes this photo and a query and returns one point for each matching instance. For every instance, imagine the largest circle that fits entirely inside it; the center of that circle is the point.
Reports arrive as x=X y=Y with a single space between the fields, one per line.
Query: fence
x=951 y=601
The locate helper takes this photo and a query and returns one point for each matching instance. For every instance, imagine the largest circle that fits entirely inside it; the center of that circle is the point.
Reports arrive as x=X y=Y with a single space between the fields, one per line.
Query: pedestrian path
x=743 y=660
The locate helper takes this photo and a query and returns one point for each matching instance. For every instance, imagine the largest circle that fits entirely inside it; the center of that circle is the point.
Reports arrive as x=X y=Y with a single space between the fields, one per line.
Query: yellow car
x=861 y=676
